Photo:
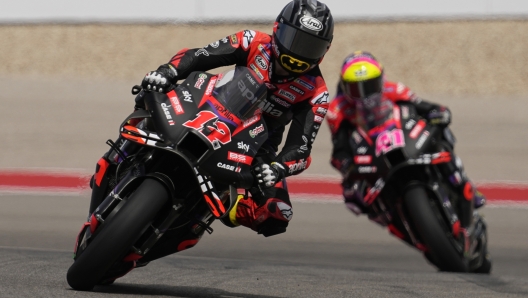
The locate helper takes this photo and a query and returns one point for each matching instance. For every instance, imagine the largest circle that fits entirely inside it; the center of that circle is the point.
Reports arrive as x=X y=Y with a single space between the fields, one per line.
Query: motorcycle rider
x=288 y=62
x=364 y=98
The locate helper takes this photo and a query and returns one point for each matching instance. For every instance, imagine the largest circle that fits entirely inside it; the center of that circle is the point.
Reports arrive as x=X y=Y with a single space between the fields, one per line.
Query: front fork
x=106 y=166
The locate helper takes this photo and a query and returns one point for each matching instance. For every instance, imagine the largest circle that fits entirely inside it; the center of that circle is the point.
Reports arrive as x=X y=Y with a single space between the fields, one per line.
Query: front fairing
x=192 y=123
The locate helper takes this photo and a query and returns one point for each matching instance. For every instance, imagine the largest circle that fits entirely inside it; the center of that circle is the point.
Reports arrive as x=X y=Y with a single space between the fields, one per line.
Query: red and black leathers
x=301 y=100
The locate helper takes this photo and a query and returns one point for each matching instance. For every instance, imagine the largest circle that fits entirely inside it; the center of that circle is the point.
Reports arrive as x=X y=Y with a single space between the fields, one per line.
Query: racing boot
x=270 y=218
x=353 y=193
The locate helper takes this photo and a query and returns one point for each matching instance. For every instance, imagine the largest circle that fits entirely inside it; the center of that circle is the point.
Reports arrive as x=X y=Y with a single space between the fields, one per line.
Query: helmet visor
x=301 y=43
x=363 y=89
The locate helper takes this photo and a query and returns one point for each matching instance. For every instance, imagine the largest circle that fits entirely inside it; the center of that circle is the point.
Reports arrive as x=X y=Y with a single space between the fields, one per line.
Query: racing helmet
x=362 y=84
x=361 y=76
x=302 y=35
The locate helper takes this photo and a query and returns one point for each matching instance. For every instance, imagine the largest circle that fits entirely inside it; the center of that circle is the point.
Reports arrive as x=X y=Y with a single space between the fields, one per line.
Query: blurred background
x=67 y=67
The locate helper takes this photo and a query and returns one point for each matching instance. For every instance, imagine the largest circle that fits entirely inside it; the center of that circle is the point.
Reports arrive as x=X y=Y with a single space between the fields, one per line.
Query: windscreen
x=240 y=91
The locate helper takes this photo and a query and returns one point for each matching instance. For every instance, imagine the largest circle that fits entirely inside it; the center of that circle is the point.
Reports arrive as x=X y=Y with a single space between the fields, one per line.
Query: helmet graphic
x=302 y=35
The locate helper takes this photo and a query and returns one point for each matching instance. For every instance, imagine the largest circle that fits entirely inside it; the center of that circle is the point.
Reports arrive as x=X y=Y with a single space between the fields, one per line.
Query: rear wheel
x=117 y=235
x=433 y=231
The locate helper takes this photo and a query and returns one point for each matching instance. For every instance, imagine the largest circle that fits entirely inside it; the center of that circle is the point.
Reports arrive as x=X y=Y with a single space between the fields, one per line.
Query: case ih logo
x=240 y=158
x=256 y=131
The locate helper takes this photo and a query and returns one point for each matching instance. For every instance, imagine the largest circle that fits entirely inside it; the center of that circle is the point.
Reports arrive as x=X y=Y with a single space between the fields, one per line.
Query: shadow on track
x=175 y=291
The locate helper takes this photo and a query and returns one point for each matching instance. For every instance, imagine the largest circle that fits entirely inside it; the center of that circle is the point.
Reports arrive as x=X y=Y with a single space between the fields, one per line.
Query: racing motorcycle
x=397 y=173
x=178 y=165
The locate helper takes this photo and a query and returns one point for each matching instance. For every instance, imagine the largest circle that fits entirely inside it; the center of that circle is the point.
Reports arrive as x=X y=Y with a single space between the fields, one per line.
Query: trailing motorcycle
x=177 y=166
x=397 y=173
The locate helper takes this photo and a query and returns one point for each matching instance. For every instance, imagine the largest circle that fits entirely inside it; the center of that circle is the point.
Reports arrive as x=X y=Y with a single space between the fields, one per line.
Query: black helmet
x=302 y=35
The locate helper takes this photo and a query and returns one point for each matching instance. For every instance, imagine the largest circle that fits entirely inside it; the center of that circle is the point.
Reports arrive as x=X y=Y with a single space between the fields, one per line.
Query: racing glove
x=161 y=79
x=268 y=175
x=440 y=116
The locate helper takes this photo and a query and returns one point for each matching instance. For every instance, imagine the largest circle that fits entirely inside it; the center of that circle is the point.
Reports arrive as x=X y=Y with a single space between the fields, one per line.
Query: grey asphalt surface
x=327 y=252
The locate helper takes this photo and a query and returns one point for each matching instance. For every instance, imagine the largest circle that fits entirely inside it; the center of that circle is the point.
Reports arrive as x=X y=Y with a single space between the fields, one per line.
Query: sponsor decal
x=234 y=39
x=201 y=52
x=250 y=121
x=362 y=159
x=321 y=111
x=362 y=150
x=276 y=49
x=285 y=210
x=311 y=23
x=187 y=96
x=305 y=84
x=270 y=86
x=245 y=92
x=318 y=119
x=280 y=101
x=176 y=106
x=224 y=111
x=228 y=167
x=224 y=40
x=296 y=89
x=417 y=129
x=200 y=81
x=410 y=124
x=210 y=87
x=261 y=62
x=263 y=52
x=305 y=146
x=422 y=139
x=165 y=108
x=405 y=112
x=269 y=108
x=321 y=98
x=287 y=95
x=217 y=132
x=366 y=170
x=257 y=71
x=215 y=44
x=243 y=146
x=357 y=137
x=251 y=79
x=256 y=131
x=239 y=158
x=297 y=166
x=388 y=140
x=248 y=38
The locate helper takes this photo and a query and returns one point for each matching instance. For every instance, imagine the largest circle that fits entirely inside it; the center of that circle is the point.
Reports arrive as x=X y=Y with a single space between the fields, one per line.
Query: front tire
x=117 y=235
x=433 y=232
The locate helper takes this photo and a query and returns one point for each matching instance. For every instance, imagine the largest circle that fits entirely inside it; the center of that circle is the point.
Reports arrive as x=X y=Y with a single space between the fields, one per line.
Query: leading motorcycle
x=178 y=165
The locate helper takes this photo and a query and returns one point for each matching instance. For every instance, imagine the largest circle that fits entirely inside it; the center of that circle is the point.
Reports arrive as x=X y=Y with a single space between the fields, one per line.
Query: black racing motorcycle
x=177 y=166
x=397 y=170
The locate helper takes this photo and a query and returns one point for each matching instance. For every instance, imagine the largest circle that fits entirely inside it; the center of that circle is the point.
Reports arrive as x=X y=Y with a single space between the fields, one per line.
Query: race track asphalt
x=326 y=252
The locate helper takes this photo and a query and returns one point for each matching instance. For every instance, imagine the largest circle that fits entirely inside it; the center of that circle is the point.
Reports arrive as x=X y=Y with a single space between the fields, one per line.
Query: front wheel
x=433 y=231
x=117 y=235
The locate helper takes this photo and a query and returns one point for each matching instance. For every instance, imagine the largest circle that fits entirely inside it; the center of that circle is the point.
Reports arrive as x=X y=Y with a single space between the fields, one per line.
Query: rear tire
x=118 y=233
x=433 y=232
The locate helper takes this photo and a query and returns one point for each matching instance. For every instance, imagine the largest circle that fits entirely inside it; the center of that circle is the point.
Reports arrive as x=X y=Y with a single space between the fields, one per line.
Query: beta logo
x=256 y=131
x=239 y=158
